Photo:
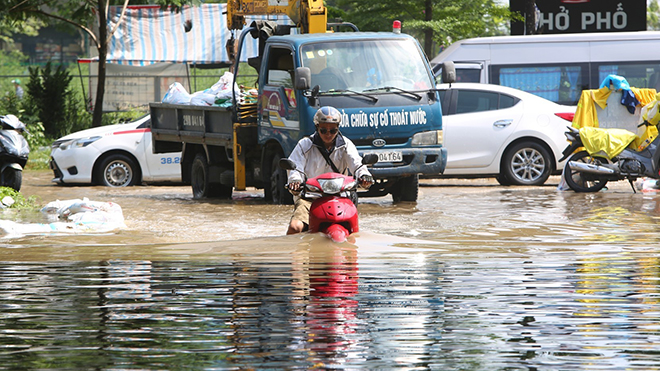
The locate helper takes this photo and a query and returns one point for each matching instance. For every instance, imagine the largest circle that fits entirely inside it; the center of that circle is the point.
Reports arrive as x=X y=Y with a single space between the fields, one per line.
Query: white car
x=492 y=130
x=115 y=156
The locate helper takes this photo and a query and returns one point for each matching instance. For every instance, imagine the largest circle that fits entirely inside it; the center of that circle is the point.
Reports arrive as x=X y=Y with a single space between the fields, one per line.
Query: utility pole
x=428 y=33
x=530 y=17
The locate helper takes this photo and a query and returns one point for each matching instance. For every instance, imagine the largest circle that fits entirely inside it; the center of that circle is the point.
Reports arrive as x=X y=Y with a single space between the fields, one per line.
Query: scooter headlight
x=312 y=188
x=331 y=186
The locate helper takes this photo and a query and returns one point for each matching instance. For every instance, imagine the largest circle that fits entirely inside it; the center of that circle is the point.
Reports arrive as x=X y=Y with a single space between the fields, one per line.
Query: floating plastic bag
x=177 y=94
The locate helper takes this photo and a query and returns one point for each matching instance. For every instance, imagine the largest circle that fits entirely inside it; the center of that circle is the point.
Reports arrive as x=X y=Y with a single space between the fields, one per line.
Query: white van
x=557 y=67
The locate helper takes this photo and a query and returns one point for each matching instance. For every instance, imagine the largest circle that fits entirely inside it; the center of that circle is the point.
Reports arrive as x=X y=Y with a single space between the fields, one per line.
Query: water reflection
x=331 y=311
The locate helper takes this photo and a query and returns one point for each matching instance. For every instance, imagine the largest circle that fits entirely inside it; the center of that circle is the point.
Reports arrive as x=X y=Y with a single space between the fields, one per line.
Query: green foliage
x=477 y=19
x=11 y=64
x=35 y=134
x=653 y=16
x=39 y=158
x=48 y=96
x=20 y=202
x=112 y=118
x=84 y=15
x=450 y=20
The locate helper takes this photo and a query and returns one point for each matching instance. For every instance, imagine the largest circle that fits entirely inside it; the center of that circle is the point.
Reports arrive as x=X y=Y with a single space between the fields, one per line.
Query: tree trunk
x=428 y=33
x=97 y=116
x=530 y=17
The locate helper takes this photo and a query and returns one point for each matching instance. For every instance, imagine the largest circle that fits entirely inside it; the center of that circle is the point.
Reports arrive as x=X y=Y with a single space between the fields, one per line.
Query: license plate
x=393 y=156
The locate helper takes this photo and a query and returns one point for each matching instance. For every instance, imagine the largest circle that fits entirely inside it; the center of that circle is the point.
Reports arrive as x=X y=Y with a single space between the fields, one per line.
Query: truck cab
x=380 y=82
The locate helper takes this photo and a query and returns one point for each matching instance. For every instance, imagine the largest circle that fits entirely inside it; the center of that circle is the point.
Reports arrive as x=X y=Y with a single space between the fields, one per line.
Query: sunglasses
x=325 y=131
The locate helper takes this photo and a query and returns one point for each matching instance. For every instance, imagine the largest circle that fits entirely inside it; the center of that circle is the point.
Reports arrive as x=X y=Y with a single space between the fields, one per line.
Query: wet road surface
x=474 y=276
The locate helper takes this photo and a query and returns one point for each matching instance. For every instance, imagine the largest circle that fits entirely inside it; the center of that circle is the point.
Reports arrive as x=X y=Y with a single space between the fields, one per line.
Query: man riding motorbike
x=327 y=150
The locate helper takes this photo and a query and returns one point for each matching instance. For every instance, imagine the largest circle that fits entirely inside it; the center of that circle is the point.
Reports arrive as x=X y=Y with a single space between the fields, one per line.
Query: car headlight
x=428 y=138
x=82 y=142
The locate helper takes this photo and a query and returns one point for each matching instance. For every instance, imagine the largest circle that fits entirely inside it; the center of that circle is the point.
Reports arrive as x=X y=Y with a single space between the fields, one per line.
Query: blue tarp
x=148 y=35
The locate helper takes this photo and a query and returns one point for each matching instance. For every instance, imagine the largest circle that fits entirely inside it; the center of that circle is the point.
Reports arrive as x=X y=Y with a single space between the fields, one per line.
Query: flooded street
x=474 y=276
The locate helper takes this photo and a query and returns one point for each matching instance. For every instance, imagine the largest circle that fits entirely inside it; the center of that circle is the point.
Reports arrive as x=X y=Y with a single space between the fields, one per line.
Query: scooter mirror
x=287 y=164
x=369 y=159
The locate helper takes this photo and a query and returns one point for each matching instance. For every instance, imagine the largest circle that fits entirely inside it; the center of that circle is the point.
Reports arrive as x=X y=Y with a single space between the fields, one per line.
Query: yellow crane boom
x=308 y=15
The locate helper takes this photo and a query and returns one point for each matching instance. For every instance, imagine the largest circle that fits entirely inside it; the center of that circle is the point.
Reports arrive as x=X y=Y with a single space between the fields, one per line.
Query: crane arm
x=308 y=15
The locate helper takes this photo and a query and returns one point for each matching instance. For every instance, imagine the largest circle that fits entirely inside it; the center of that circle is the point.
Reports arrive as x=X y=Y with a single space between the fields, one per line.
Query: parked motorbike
x=14 y=151
x=589 y=171
x=334 y=196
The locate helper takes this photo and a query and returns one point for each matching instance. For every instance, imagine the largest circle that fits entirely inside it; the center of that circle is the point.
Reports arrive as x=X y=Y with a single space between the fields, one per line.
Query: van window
x=558 y=83
x=638 y=75
x=468 y=75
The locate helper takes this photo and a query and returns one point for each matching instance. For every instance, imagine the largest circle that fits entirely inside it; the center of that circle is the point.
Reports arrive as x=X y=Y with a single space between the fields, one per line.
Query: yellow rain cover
x=605 y=142
x=650 y=114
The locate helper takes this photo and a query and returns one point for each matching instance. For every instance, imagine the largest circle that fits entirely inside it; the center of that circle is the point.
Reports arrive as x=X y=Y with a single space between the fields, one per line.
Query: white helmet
x=327 y=114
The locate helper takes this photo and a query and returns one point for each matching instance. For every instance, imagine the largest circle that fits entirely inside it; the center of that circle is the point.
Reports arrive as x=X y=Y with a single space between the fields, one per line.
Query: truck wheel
x=406 y=189
x=12 y=178
x=201 y=185
x=278 y=182
x=118 y=170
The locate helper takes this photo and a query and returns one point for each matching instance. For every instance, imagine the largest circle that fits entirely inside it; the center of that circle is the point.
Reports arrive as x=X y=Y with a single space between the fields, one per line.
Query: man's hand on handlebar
x=294 y=187
x=366 y=181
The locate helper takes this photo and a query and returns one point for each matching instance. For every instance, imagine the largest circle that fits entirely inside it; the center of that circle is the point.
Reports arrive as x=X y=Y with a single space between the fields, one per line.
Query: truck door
x=277 y=106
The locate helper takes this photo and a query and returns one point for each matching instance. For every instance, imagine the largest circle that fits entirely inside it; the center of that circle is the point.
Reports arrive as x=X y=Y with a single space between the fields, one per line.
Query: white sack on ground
x=70 y=216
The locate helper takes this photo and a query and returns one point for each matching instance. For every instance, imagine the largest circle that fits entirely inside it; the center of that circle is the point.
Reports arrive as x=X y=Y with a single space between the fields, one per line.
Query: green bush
x=39 y=158
x=49 y=96
x=20 y=202
x=111 y=118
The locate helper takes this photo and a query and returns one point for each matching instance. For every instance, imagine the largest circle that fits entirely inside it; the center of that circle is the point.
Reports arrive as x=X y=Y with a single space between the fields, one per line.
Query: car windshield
x=366 y=65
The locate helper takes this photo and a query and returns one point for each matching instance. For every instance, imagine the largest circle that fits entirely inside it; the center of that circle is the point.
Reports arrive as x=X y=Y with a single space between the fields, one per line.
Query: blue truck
x=381 y=82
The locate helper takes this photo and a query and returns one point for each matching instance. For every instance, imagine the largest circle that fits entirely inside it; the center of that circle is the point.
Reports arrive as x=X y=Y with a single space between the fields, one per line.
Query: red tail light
x=566 y=116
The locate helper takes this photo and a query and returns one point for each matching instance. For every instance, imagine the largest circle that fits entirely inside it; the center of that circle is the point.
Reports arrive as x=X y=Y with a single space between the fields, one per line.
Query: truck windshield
x=360 y=65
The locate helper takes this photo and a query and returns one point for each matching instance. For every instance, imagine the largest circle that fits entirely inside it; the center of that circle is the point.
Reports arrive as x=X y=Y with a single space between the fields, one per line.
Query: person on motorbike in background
x=309 y=158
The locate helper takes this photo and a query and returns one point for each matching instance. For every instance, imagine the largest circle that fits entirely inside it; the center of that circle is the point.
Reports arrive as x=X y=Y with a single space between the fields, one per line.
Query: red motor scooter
x=334 y=196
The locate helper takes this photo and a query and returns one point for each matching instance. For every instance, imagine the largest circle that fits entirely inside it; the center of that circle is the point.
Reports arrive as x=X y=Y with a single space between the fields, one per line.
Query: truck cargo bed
x=190 y=124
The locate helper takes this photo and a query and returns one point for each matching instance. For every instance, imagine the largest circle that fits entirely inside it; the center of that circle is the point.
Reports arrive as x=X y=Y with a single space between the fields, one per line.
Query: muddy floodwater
x=474 y=276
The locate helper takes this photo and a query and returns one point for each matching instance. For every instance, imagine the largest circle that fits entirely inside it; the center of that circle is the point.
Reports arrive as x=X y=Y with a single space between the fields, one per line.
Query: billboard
x=577 y=16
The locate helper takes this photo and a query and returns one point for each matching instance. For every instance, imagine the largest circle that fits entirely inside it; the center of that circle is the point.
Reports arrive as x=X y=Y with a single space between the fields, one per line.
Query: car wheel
x=406 y=189
x=118 y=170
x=12 y=178
x=201 y=184
x=580 y=181
x=280 y=195
x=503 y=180
x=526 y=163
